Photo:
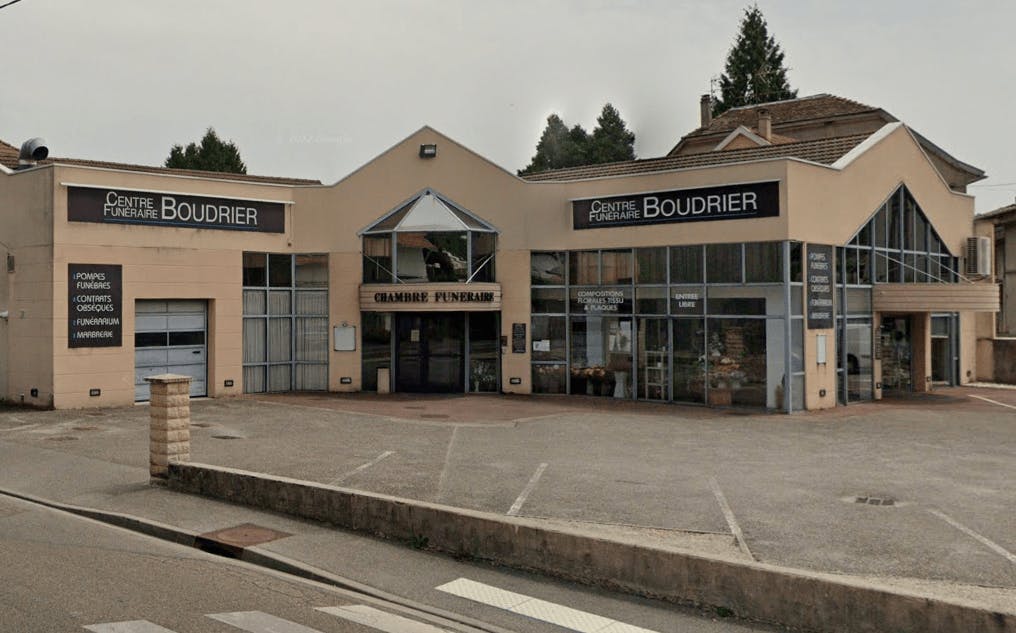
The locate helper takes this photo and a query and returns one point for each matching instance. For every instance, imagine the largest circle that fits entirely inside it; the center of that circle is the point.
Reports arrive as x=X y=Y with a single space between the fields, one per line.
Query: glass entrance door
x=943 y=349
x=430 y=352
x=896 y=344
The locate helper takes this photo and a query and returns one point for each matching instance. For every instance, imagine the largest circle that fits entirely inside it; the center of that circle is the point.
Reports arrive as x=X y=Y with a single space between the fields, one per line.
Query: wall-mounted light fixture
x=428 y=150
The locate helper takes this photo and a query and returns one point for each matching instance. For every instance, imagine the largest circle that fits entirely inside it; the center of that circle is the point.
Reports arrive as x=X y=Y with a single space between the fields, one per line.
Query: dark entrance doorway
x=896 y=347
x=430 y=352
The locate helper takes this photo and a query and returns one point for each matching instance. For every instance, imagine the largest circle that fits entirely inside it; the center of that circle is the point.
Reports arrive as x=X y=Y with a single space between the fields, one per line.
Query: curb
x=259 y=558
x=755 y=591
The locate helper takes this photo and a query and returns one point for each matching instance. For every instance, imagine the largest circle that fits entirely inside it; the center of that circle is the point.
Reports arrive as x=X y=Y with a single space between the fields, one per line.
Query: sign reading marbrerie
x=729 y=202
x=94 y=305
x=123 y=206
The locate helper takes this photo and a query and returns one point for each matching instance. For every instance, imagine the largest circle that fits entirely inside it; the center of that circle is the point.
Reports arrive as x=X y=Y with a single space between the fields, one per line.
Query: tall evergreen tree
x=213 y=154
x=754 y=71
x=560 y=146
x=611 y=140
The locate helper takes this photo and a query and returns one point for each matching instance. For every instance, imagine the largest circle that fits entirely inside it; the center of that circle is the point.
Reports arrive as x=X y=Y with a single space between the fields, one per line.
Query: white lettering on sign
x=600 y=300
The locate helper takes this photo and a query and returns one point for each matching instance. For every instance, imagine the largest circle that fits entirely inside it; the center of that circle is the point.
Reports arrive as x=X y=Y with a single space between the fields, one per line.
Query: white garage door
x=170 y=337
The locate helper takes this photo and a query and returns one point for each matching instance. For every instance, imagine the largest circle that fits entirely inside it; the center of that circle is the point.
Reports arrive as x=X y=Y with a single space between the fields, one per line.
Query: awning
x=922 y=297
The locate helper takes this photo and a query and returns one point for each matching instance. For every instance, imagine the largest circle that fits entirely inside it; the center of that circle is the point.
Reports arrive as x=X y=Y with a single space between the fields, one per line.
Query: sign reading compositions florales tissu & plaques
x=729 y=202
x=123 y=206
x=94 y=305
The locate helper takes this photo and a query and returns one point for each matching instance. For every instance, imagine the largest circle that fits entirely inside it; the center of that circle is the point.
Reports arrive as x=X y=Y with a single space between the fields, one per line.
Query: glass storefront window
x=685 y=264
x=547 y=300
x=796 y=262
x=483 y=257
x=687 y=300
x=601 y=356
x=615 y=267
x=550 y=378
x=737 y=362
x=254 y=269
x=763 y=262
x=746 y=300
x=549 y=338
x=723 y=263
x=688 y=383
x=651 y=300
x=584 y=268
x=432 y=257
x=311 y=271
x=483 y=352
x=377 y=260
x=651 y=265
x=280 y=270
x=547 y=269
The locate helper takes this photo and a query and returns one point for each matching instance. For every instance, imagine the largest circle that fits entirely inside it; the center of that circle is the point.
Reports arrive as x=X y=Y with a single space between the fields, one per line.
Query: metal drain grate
x=875 y=501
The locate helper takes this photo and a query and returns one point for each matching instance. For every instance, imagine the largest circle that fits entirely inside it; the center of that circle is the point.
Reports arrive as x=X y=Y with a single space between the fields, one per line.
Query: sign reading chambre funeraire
x=94 y=305
x=119 y=206
x=729 y=202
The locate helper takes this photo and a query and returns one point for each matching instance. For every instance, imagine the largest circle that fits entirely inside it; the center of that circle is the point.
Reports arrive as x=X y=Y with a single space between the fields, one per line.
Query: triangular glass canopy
x=428 y=212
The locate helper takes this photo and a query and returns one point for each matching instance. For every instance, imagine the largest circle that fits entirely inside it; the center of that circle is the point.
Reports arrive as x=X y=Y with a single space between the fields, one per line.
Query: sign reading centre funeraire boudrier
x=729 y=202
x=819 y=270
x=95 y=305
x=119 y=206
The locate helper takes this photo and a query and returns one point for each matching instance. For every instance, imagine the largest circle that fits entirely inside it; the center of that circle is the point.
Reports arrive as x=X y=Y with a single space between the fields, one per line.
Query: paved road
x=59 y=572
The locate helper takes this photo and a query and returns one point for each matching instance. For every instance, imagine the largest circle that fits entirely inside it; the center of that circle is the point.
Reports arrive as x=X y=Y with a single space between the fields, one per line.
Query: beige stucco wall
x=818 y=204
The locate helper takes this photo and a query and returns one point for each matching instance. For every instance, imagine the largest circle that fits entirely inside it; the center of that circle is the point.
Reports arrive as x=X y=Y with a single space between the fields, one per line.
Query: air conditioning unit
x=979 y=255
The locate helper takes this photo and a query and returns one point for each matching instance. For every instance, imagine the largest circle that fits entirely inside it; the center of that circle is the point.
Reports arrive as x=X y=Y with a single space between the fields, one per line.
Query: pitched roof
x=819 y=106
x=9 y=159
x=825 y=151
x=995 y=213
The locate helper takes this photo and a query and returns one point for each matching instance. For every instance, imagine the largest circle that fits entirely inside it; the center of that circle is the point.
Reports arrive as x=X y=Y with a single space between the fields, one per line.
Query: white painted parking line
x=443 y=479
x=20 y=428
x=559 y=615
x=1001 y=404
x=132 y=626
x=361 y=468
x=992 y=545
x=528 y=490
x=260 y=622
x=728 y=514
x=380 y=620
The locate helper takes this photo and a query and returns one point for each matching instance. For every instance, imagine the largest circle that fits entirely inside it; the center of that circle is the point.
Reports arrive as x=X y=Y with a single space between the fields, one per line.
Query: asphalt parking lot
x=937 y=475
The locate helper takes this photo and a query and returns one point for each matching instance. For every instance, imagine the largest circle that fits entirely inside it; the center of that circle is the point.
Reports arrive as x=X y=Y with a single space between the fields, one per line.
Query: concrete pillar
x=169 y=434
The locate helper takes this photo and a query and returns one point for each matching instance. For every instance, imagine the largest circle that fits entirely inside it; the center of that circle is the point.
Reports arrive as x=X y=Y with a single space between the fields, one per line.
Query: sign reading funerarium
x=114 y=206
x=730 y=202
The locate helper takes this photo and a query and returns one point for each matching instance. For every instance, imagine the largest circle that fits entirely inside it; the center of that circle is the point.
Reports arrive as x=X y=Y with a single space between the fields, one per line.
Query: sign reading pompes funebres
x=119 y=206
x=94 y=305
x=729 y=202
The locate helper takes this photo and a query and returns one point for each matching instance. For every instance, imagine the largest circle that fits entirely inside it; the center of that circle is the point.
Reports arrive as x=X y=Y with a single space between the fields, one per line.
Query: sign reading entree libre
x=730 y=202
x=94 y=305
x=117 y=206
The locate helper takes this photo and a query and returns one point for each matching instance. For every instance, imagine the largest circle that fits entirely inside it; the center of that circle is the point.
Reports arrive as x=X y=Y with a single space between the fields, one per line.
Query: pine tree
x=611 y=140
x=560 y=147
x=211 y=155
x=754 y=71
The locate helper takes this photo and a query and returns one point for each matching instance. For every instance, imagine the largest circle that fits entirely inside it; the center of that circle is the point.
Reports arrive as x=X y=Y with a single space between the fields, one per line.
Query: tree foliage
x=561 y=146
x=212 y=154
x=754 y=72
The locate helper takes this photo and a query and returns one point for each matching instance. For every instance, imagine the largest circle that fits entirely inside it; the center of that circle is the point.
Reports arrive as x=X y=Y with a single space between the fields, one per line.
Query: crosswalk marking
x=260 y=622
x=550 y=612
x=380 y=620
x=132 y=626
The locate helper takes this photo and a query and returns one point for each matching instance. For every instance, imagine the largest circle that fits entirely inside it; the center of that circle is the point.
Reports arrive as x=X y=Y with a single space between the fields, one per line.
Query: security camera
x=32 y=150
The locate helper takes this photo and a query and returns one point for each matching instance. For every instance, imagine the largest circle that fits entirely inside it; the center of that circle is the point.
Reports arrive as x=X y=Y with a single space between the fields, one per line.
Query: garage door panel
x=186 y=356
x=182 y=348
x=150 y=323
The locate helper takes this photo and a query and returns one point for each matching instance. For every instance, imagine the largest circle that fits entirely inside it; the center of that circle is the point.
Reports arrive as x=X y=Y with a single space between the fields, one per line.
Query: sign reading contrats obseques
x=122 y=206
x=728 y=202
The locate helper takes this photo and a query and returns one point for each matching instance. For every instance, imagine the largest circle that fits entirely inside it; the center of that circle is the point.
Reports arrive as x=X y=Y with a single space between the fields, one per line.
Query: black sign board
x=819 y=273
x=94 y=305
x=729 y=202
x=119 y=206
x=518 y=338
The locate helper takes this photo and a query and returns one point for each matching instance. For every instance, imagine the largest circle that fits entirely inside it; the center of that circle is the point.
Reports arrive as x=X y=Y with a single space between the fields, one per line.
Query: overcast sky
x=315 y=88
